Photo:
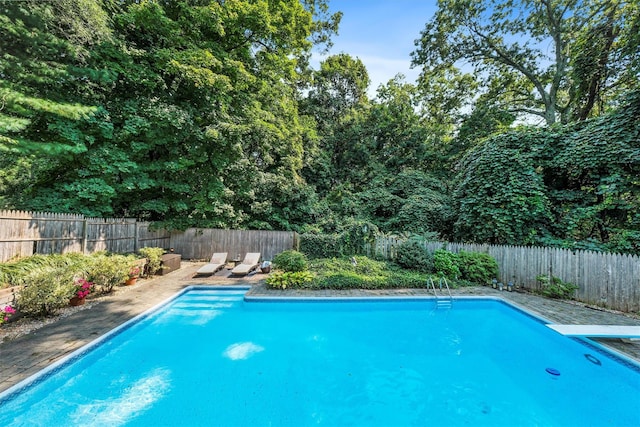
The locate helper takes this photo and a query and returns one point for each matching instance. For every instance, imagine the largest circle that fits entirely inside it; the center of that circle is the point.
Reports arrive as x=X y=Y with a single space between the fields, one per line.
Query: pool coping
x=45 y=373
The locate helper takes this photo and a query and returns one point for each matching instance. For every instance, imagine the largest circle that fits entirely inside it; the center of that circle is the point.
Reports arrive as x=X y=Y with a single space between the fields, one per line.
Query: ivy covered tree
x=571 y=186
x=593 y=182
x=558 y=60
x=501 y=197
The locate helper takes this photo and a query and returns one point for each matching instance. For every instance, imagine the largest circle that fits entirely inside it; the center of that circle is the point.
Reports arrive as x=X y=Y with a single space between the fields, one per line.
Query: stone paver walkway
x=28 y=354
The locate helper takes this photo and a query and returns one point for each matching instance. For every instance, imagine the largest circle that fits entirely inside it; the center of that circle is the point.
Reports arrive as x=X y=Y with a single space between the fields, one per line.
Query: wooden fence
x=28 y=233
x=608 y=280
x=198 y=243
x=604 y=279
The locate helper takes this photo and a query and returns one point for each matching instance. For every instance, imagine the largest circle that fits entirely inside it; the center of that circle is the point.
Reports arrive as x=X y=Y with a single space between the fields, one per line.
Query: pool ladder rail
x=442 y=300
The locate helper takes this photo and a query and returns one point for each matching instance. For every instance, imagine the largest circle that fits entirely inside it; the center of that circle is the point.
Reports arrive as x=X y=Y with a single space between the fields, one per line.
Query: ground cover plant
x=357 y=272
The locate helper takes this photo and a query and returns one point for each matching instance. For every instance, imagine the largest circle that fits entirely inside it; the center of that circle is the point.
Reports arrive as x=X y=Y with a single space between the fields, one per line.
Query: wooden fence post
x=135 y=238
x=84 y=236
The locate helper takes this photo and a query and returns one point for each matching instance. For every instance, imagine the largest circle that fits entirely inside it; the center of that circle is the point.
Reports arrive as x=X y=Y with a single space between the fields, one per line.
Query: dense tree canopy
x=201 y=113
x=185 y=112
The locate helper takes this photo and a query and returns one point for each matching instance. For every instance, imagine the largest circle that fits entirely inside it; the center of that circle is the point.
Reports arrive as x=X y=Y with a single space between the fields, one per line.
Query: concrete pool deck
x=25 y=355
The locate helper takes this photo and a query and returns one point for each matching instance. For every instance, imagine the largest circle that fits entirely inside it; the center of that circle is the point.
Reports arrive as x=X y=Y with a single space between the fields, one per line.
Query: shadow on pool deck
x=28 y=354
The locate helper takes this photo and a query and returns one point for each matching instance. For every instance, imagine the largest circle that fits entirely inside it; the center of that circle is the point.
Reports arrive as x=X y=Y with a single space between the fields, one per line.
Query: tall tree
x=337 y=101
x=556 y=59
x=44 y=81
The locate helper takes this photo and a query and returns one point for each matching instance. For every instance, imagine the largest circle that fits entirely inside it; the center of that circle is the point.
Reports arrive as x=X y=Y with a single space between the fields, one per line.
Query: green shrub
x=350 y=280
x=11 y=273
x=412 y=255
x=477 y=267
x=109 y=271
x=362 y=265
x=289 y=279
x=154 y=259
x=46 y=290
x=556 y=288
x=406 y=279
x=446 y=263
x=290 y=260
x=365 y=273
x=321 y=245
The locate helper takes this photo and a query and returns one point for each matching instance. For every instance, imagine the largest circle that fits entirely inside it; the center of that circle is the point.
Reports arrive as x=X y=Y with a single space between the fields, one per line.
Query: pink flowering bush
x=134 y=272
x=5 y=313
x=82 y=288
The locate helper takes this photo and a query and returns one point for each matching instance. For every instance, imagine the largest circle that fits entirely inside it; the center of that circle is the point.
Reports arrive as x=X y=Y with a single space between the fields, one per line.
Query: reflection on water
x=119 y=409
x=241 y=351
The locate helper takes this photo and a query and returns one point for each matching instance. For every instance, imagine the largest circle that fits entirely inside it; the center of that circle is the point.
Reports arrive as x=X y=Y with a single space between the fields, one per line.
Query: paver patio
x=24 y=356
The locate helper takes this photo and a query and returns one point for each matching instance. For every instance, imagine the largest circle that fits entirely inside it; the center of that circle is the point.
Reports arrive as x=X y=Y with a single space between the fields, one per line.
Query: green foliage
x=46 y=290
x=154 y=259
x=406 y=279
x=592 y=47
x=289 y=279
x=159 y=111
x=290 y=261
x=410 y=201
x=357 y=237
x=339 y=273
x=320 y=245
x=208 y=115
x=412 y=255
x=342 y=273
x=108 y=271
x=477 y=267
x=446 y=263
x=556 y=287
x=500 y=195
x=593 y=182
x=12 y=273
x=350 y=280
x=363 y=265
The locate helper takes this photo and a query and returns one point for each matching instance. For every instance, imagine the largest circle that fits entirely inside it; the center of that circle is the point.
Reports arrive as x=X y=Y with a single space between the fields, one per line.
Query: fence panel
x=14 y=235
x=196 y=243
x=146 y=238
x=608 y=280
x=110 y=234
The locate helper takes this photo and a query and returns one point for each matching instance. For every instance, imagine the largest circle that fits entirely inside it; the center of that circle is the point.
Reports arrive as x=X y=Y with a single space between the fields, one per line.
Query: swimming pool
x=208 y=357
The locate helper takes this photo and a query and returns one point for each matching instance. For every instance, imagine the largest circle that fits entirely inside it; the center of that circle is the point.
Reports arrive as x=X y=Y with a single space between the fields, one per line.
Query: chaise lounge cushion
x=218 y=260
x=251 y=262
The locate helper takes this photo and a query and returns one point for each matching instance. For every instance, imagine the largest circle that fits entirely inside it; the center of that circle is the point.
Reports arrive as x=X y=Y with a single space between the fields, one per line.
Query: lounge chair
x=218 y=260
x=251 y=262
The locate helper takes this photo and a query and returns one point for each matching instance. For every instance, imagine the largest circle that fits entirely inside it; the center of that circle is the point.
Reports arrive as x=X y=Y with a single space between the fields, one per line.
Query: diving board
x=599 y=331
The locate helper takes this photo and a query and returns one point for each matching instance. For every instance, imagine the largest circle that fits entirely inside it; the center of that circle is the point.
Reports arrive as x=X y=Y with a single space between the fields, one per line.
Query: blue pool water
x=211 y=358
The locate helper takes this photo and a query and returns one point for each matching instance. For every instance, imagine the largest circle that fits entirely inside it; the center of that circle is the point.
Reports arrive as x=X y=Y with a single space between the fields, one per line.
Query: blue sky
x=381 y=33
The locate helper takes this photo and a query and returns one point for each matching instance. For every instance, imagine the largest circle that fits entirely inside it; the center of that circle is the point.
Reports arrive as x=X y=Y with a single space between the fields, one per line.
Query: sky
x=381 y=33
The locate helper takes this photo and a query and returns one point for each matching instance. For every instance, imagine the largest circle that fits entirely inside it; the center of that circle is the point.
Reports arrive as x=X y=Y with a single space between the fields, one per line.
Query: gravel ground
x=25 y=325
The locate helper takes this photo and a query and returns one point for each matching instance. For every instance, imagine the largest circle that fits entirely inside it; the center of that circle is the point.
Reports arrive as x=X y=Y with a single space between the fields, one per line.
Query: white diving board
x=599 y=331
